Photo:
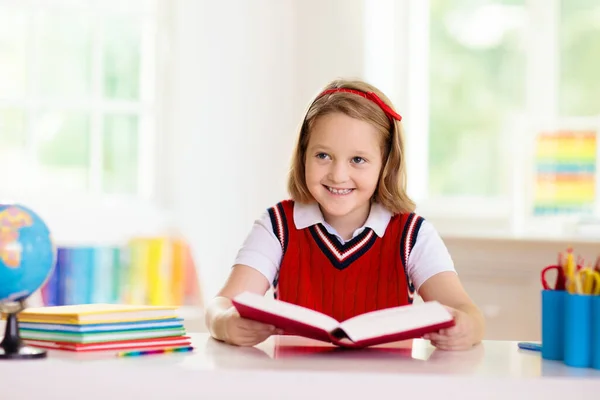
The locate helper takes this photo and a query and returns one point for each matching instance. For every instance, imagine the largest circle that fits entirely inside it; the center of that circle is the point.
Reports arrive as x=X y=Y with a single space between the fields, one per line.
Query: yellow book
x=178 y=272
x=96 y=313
x=137 y=292
x=158 y=258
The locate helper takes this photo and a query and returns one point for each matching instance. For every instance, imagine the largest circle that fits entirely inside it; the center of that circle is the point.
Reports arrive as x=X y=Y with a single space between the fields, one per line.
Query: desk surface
x=296 y=368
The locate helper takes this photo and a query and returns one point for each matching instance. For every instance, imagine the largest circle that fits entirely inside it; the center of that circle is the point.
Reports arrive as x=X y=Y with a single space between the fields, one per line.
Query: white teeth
x=339 y=191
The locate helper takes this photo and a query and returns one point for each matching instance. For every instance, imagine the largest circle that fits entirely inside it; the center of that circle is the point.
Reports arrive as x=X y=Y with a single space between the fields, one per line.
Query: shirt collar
x=306 y=215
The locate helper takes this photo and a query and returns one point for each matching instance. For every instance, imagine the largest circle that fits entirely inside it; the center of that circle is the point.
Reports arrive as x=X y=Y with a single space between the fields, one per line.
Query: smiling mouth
x=339 y=192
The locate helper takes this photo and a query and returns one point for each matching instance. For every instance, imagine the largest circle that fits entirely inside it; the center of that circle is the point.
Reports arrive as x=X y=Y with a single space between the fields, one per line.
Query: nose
x=338 y=172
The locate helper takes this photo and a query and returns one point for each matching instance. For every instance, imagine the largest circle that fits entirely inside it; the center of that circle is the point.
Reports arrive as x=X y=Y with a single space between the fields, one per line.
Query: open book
x=369 y=329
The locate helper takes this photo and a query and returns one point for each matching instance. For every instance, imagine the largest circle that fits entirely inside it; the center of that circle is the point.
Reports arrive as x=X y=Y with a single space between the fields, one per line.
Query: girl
x=348 y=241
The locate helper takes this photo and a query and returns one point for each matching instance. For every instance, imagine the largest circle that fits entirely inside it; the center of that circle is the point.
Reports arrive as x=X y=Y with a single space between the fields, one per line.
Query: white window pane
x=63 y=53
x=97 y=7
x=579 y=57
x=12 y=129
x=13 y=47
x=122 y=53
x=13 y=151
x=63 y=150
x=477 y=80
x=120 y=154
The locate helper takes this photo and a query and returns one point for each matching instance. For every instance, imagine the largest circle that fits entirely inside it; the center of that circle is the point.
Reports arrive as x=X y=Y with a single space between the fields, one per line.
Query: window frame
x=145 y=108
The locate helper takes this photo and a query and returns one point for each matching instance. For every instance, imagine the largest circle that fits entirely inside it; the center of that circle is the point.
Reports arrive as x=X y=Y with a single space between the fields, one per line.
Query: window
x=481 y=80
x=77 y=110
x=476 y=82
x=495 y=64
x=579 y=57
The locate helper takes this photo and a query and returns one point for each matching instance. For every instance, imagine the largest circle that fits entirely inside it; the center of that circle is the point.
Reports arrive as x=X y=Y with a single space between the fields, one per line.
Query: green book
x=99 y=337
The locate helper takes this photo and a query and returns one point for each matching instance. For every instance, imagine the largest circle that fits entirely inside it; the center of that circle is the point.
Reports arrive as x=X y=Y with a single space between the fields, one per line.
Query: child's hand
x=459 y=337
x=244 y=332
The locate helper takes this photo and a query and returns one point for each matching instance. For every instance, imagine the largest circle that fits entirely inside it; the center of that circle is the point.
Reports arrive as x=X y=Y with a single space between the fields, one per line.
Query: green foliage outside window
x=477 y=79
x=579 y=35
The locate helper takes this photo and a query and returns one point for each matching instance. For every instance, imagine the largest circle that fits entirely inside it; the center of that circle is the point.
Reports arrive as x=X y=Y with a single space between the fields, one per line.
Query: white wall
x=330 y=42
x=230 y=112
x=242 y=74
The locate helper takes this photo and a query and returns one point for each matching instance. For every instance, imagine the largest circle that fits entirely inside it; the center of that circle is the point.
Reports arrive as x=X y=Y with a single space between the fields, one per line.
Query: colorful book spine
x=51 y=291
x=78 y=275
x=146 y=270
x=179 y=272
x=105 y=273
x=159 y=271
x=137 y=275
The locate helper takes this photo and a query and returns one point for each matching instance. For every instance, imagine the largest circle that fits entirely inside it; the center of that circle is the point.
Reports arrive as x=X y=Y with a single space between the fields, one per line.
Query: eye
x=323 y=156
x=358 y=160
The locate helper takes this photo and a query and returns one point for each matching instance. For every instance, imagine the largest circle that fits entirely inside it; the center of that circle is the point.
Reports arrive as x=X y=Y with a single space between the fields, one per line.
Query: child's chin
x=334 y=209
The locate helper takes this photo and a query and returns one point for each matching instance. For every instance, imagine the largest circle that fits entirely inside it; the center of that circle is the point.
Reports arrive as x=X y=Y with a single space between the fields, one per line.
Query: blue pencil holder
x=553 y=324
x=595 y=332
x=578 y=330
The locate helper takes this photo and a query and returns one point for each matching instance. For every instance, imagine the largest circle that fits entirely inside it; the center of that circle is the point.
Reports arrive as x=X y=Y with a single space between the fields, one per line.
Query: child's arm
x=446 y=288
x=256 y=266
x=223 y=321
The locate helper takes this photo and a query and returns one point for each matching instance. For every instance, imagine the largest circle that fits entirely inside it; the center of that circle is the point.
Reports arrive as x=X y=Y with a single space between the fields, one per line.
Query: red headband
x=369 y=96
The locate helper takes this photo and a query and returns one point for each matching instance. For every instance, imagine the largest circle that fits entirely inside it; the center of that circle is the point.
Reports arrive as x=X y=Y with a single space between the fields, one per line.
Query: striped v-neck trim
x=409 y=237
x=342 y=255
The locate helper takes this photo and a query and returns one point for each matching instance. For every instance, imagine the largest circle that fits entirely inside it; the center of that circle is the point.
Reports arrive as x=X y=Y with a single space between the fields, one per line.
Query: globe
x=27 y=253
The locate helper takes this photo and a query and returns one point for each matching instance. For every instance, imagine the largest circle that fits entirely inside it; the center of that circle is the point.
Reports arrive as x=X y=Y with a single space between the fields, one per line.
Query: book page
x=287 y=310
x=395 y=320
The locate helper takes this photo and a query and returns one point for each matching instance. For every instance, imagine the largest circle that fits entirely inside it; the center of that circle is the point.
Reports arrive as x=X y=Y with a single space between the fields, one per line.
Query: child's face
x=343 y=160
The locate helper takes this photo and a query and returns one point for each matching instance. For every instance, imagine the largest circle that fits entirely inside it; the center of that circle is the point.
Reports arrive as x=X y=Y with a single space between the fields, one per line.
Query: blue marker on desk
x=530 y=346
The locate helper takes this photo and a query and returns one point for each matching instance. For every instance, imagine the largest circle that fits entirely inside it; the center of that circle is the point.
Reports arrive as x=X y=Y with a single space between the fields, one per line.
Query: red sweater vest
x=365 y=274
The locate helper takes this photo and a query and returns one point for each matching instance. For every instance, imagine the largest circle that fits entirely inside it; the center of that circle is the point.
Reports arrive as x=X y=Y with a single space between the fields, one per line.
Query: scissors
x=560 y=283
x=585 y=281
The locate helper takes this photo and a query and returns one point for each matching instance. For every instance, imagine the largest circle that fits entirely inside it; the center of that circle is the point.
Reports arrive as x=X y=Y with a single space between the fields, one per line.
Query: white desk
x=296 y=368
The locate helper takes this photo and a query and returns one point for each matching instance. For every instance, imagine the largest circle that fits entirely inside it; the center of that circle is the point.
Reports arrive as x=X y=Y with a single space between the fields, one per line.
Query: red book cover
x=135 y=344
x=369 y=329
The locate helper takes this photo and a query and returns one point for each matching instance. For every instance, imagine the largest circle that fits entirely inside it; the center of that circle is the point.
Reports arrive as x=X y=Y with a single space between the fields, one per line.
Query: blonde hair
x=391 y=187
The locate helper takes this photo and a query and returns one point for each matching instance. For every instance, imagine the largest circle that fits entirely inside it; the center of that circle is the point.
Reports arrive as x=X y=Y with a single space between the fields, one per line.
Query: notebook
x=96 y=313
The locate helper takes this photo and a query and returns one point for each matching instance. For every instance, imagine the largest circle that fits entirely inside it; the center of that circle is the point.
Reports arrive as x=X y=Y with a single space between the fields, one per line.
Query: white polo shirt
x=262 y=250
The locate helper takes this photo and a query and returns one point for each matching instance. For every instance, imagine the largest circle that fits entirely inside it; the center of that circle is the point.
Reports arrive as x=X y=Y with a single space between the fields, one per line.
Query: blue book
x=104 y=271
x=77 y=275
x=112 y=327
x=51 y=291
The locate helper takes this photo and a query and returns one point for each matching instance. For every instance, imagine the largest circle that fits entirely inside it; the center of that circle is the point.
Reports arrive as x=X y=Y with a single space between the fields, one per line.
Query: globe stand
x=12 y=347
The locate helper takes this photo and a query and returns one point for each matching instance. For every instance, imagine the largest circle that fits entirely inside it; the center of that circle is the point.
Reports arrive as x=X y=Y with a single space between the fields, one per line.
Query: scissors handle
x=590 y=281
x=560 y=278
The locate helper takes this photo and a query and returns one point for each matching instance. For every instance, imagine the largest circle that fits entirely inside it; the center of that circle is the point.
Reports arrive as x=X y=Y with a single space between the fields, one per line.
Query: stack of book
x=103 y=327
